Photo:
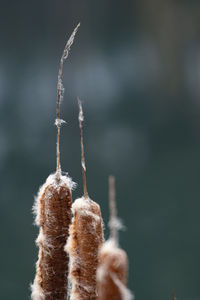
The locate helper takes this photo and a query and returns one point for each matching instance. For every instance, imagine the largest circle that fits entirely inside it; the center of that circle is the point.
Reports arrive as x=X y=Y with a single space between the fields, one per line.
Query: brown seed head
x=86 y=237
x=112 y=273
x=53 y=207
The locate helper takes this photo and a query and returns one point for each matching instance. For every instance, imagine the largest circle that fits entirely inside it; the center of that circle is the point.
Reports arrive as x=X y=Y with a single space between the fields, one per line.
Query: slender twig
x=60 y=92
x=81 y=119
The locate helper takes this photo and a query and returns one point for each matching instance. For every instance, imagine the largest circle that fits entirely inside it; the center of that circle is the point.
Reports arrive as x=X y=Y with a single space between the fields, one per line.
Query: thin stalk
x=60 y=93
x=81 y=119
x=113 y=210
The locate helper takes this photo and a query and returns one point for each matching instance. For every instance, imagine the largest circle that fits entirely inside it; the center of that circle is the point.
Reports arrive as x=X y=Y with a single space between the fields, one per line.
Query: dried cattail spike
x=112 y=273
x=113 y=262
x=86 y=237
x=53 y=216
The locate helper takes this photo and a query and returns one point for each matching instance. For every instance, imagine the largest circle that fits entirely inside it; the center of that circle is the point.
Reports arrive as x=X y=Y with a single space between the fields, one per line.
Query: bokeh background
x=136 y=67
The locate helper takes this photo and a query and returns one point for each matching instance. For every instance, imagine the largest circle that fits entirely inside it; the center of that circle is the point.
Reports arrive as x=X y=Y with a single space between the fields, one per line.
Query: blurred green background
x=136 y=67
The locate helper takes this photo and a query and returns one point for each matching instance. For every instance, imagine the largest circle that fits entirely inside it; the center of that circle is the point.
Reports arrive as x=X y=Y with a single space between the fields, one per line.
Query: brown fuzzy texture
x=86 y=237
x=113 y=269
x=54 y=219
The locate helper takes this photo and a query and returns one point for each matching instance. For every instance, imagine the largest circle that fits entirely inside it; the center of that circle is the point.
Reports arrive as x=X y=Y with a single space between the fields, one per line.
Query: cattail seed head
x=112 y=273
x=86 y=237
x=53 y=216
x=112 y=270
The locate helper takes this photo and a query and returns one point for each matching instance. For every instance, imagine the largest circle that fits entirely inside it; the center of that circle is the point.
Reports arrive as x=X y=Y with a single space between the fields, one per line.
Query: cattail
x=53 y=216
x=86 y=237
x=113 y=262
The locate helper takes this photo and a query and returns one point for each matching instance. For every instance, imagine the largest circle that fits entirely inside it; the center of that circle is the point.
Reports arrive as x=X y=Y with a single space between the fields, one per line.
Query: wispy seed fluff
x=53 y=215
x=86 y=237
x=113 y=262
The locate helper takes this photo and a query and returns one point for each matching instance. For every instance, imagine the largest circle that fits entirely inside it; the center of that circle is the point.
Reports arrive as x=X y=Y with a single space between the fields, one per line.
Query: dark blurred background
x=136 y=66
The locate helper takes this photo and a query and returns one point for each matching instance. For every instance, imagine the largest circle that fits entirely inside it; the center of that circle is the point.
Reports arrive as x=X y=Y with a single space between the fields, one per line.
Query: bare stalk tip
x=113 y=210
x=60 y=94
x=81 y=119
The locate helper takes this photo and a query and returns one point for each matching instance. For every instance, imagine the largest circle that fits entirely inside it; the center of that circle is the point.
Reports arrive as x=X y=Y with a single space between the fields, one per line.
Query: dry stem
x=81 y=118
x=60 y=92
x=113 y=210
